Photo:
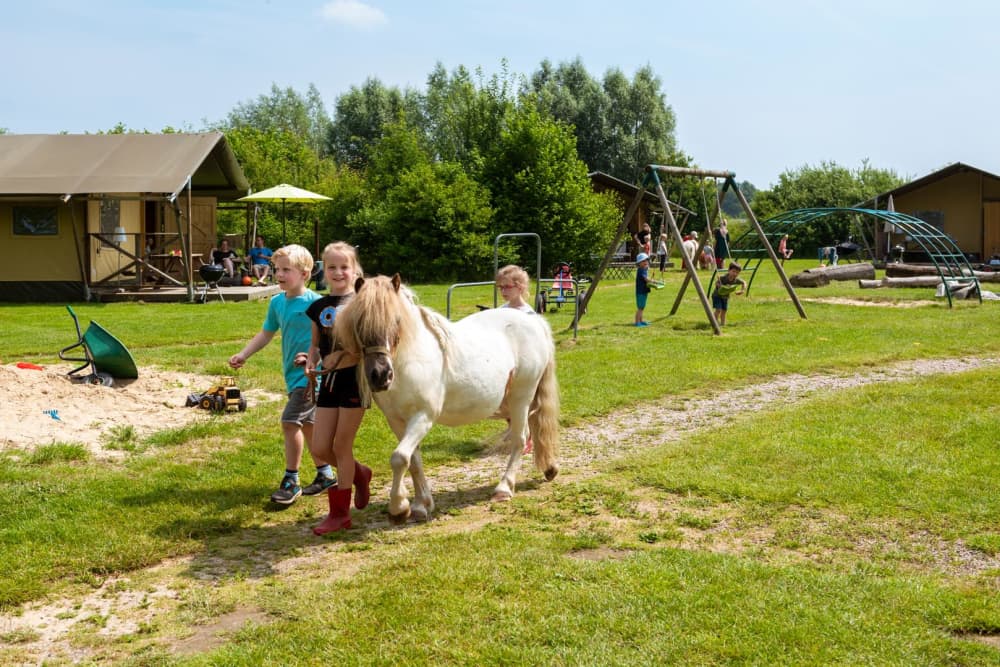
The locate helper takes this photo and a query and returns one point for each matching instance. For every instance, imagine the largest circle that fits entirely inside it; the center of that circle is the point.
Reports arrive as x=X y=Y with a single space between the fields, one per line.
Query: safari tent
x=85 y=214
x=960 y=200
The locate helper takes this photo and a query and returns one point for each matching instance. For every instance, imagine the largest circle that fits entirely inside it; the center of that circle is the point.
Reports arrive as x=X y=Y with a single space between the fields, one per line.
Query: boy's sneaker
x=319 y=485
x=287 y=493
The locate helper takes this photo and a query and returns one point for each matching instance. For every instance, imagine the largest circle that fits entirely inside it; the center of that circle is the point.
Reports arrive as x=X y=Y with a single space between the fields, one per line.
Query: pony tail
x=543 y=422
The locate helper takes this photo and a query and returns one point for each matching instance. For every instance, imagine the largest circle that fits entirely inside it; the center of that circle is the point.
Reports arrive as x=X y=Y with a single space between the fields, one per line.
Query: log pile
x=823 y=275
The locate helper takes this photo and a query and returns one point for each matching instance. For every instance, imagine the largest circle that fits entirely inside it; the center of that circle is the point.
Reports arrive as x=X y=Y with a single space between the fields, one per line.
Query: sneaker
x=287 y=493
x=318 y=485
x=642 y=324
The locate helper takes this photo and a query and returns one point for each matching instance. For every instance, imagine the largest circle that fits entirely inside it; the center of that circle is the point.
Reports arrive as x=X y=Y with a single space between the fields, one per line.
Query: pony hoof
x=550 y=473
x=501 y=497
x=399 y=519
x=419 y=514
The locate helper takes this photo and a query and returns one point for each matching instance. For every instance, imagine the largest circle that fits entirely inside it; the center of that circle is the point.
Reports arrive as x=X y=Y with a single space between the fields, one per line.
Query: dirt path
x=46 y=631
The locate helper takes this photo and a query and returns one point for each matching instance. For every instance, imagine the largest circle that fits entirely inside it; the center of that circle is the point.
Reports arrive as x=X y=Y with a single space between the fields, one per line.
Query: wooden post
x=629 y=214
x=688 y=263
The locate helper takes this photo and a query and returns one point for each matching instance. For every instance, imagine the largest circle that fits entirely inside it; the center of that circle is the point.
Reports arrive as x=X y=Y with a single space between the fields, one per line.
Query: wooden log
x=905 y=270
x=824 y=274
x=911 y=281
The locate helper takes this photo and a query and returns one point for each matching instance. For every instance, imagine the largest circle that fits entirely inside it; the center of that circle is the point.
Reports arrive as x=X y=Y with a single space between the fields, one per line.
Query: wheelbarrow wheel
x=101 y=379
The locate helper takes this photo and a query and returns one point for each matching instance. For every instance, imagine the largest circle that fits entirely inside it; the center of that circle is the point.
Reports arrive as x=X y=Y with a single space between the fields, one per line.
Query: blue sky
x=757 y=87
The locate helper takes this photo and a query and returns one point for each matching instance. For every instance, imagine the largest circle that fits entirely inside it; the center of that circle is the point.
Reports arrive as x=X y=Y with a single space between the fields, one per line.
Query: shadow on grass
x=230 y=548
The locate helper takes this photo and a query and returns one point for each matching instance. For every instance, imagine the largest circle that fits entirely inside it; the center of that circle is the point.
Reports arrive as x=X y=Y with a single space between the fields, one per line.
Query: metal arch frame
x=949 y=261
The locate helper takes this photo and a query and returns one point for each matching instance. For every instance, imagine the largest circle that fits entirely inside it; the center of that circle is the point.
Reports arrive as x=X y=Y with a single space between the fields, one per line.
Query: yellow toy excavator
x=223 y=397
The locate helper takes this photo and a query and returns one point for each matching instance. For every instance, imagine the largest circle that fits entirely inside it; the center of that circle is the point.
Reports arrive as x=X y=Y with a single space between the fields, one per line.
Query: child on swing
x=339 y=405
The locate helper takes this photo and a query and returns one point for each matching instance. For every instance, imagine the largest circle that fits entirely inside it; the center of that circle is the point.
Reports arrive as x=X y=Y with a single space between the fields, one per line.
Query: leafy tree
x=466 y=115
x=361 y=115
x=828 y=185
x=538 y=184
x=285 y=112
x=621 y=125
x=432 y=224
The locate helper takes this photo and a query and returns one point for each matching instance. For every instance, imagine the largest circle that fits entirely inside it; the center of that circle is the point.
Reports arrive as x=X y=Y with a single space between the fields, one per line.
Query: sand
x=41 y=407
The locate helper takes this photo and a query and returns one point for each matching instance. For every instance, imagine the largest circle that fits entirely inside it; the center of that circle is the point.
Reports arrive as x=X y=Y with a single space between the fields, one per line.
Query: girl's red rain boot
x=362 y=485
x=339 y=517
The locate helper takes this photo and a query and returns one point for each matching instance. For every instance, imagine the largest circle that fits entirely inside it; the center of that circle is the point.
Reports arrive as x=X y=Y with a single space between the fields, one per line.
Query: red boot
x=362 y=484
x=339 y=517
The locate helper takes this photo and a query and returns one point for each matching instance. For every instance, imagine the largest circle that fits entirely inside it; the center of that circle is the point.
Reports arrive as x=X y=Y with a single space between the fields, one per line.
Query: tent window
x=110 y=217
x=36 y=221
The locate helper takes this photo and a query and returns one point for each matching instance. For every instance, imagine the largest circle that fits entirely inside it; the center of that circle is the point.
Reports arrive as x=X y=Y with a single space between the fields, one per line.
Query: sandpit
x=41 y=407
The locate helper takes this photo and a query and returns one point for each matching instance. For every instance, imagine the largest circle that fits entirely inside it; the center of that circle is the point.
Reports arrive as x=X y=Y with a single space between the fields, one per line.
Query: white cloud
x=353 y=13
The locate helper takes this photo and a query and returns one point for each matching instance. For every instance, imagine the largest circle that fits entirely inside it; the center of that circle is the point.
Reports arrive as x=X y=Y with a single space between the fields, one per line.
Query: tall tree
x=539 y=185
x=284 y=111
x=466 y=114
x=620 y=125
x=361 y=115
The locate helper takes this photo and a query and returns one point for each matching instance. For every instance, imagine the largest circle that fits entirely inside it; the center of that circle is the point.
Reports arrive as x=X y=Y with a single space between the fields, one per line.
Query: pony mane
x=378 y=313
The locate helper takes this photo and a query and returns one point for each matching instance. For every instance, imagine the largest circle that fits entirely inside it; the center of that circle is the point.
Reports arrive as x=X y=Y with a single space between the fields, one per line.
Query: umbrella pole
x=284 y=234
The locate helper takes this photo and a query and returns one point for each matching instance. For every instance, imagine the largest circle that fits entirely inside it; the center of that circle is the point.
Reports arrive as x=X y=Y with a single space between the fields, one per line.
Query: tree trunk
x=823 y=275
x=905 y=270
x=911 y=281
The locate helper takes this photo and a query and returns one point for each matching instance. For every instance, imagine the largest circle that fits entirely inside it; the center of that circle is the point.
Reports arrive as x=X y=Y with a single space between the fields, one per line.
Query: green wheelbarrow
x=104 y=356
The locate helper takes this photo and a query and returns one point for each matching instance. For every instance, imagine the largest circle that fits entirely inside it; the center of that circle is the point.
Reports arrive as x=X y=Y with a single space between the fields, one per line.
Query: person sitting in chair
x=260 y=260
x=226 y=257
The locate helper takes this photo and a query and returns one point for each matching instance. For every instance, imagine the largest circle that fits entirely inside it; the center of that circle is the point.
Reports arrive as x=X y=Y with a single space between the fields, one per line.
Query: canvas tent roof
x=950 y=170
x=74 y=164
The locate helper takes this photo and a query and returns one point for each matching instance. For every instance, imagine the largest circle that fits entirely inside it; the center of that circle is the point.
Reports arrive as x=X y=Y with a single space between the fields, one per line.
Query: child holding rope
x=339 y=405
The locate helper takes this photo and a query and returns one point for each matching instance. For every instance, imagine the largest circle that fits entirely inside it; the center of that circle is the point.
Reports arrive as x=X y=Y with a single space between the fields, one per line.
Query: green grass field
x=856 y=526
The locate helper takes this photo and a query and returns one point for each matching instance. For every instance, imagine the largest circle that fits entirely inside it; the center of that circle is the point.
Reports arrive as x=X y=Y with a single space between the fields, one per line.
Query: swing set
x=652 y=180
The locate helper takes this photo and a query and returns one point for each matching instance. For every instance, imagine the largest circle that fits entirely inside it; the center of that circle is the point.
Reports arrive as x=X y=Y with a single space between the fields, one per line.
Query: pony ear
x=358 y=283
x=396 y=281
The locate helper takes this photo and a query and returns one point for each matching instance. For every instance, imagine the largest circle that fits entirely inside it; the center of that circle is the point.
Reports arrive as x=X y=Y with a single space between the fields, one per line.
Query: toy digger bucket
x=103 y=354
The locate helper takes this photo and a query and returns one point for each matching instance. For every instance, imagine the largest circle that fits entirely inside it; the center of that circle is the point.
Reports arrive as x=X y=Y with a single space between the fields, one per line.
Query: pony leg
x=423 y=502
x=515 y=440
x=416 y=428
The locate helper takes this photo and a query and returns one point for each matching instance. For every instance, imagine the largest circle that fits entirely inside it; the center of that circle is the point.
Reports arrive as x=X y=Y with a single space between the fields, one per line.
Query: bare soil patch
x=40 y=407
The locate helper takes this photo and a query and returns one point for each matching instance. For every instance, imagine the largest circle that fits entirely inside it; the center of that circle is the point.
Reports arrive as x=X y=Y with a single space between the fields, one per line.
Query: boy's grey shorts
x=298 y=410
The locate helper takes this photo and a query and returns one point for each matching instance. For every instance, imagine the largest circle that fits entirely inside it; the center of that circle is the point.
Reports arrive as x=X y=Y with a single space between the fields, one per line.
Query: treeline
x=424 y=180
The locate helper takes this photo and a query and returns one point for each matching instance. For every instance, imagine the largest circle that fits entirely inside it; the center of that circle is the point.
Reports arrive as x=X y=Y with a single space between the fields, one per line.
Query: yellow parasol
x=285 y=193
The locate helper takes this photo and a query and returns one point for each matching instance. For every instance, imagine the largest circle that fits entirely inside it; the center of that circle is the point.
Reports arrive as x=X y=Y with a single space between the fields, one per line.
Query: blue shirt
x=641 y=286
x=289 y=315
x=260 y=255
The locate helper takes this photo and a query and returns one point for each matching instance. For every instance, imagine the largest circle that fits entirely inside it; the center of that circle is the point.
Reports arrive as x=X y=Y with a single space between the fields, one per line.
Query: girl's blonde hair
x=298 y=257
x=517 y=276
x=347 y=250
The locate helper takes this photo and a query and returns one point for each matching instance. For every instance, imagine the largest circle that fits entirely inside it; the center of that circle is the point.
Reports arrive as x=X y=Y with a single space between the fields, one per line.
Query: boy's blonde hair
x=298 y=257
x=516 y=275
x=344 y=249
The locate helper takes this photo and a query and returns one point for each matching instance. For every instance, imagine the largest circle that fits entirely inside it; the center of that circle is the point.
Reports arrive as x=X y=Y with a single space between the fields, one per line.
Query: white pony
x=423 y=369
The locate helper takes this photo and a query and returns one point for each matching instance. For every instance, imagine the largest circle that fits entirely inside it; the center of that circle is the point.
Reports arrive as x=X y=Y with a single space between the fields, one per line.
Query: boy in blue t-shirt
x=287 y=312
x=642 y=288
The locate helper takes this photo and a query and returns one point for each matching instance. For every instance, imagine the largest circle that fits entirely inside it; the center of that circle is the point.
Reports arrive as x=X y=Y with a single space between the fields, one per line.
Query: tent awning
x=74 y=164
